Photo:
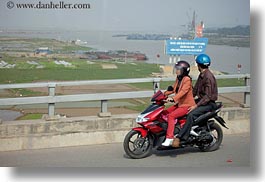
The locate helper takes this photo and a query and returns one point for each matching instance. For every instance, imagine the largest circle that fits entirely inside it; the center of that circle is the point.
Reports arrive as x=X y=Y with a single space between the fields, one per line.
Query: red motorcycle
x=205 y=133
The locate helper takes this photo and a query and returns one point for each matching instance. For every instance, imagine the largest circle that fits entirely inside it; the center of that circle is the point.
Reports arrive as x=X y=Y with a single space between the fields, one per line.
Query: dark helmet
x=203 y=59
x=184 y=67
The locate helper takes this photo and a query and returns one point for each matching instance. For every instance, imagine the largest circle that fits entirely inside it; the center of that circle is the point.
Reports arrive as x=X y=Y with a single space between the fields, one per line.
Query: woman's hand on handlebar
x=170 y=99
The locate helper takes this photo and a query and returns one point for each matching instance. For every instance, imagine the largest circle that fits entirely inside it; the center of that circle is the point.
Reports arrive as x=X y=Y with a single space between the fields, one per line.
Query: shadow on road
x=170 y=152
x=175 y=152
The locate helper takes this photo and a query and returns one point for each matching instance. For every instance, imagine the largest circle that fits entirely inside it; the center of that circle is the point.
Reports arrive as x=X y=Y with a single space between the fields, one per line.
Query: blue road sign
x=186 y=47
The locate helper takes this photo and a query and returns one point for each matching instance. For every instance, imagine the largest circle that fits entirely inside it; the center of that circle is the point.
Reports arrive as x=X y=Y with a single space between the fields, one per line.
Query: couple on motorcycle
x=205 y=90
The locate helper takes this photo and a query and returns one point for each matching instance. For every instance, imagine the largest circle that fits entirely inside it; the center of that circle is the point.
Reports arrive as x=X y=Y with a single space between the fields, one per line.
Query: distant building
x=80 y=42
x=43 y=51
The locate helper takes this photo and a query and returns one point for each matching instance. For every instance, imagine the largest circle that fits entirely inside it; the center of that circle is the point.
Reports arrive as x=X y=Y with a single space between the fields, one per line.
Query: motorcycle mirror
x=170 y=88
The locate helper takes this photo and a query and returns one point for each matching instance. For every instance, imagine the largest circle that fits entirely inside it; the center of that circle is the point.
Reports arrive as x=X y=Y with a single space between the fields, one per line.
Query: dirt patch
x=229 y=100
x=5 y=93
x=109 y=66
x=232 y=99
x=87 y=89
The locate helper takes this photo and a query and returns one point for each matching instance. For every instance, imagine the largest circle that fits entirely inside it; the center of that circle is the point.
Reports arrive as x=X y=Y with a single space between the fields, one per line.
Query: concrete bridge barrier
x=76 y=131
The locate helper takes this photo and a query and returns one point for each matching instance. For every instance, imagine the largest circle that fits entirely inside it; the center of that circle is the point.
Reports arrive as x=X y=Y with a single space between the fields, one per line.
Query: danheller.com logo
x=49 y=5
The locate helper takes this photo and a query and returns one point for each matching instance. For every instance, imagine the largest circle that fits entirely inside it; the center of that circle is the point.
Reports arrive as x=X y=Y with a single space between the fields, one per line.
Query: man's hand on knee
x=192 y=108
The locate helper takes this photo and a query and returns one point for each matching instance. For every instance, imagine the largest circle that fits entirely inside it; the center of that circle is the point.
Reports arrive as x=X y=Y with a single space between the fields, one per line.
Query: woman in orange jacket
x=183 y=99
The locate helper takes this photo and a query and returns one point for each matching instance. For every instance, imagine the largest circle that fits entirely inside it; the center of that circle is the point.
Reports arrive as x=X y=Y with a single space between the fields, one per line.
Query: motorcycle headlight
x=141 y=119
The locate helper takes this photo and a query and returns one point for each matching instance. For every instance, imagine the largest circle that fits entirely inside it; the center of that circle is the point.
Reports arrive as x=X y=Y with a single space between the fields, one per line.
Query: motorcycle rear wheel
x=136 y=146
x=217 y=134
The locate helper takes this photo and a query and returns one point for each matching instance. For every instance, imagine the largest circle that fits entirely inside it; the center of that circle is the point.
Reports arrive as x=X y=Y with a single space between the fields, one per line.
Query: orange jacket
x=184 y=96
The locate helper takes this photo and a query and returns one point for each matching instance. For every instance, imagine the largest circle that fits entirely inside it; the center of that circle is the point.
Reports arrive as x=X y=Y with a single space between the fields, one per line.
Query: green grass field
x=31 y=116
x=80 y=71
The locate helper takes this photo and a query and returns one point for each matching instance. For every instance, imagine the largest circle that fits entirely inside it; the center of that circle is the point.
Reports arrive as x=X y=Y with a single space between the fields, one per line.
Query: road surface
x=235 y=151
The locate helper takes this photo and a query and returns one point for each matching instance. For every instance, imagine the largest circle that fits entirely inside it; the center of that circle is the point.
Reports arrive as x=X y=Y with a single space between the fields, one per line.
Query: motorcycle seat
x=206 y=115
x=202 y=117
x=218 y=105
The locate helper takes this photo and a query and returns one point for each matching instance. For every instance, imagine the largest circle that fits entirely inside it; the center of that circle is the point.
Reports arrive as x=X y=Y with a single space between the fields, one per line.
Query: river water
x=9 y=115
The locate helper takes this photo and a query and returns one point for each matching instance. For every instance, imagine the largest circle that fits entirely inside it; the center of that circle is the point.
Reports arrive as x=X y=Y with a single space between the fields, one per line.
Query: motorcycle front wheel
x=137 y=147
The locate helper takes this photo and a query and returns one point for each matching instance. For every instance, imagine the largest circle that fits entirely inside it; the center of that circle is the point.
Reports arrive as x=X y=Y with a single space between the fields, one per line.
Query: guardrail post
x=247 y=94
x=104 y=109
x=156 y=85
x=51 y=106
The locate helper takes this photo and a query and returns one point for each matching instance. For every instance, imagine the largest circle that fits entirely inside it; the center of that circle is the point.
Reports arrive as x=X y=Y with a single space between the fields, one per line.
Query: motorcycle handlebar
x=167 y=101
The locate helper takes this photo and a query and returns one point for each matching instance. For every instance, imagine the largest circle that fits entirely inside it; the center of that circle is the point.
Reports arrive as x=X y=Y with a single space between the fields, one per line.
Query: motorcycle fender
x=221 y=121
x=142 y=131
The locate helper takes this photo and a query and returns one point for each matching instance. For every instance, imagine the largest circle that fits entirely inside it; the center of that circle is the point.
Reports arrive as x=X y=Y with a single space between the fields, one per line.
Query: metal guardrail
x=51 y=99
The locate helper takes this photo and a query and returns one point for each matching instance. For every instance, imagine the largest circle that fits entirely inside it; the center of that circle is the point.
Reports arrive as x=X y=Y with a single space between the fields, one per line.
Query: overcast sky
x=127 y=15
